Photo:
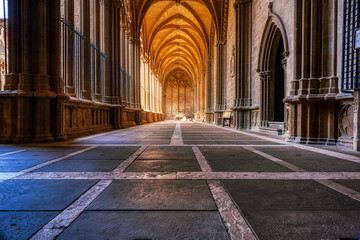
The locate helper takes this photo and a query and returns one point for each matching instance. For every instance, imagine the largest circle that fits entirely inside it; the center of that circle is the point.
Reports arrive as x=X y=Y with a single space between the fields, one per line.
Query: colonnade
x=151 y=87
x=99 y=55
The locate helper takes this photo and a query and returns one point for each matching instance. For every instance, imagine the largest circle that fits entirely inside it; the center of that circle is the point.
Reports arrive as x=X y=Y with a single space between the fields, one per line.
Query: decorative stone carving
x=284 y=61
x=232 y=62
x=346 y=121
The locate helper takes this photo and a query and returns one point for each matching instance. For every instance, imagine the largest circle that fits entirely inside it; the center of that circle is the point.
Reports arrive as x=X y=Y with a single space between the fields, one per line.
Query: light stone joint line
x=177 y=137
x=328 y=183
x=18 y=151
x=276 y=160
x=237 y=226
x=309 y=148
x=41 y=165
x=129 y=161
x=44 y=164
x=57 y=225
x=340 y=188
x=204 y=165
x=166 y=145
x=187 y=175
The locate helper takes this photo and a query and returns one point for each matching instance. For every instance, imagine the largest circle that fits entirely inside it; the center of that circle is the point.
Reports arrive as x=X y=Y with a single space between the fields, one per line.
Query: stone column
x=314 y=87
x=127 y=53
x=131 y=72
x=97 y=95
x=113 y=52
x=106 y=46
x=116 y=54
x=243 y=102
x=123 y=64
x=208 y=89
x=86 y=62
x=219 y=106
x=54 y=70
x=69 y=54
x=26 y=109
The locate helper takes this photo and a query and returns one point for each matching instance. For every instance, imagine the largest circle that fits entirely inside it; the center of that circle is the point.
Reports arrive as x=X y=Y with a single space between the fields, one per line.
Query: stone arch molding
x=273 y=24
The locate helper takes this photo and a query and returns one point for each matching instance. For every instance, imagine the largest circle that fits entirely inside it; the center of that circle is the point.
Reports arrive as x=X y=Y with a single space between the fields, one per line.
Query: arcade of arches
x=114 y=119
x=85 y=66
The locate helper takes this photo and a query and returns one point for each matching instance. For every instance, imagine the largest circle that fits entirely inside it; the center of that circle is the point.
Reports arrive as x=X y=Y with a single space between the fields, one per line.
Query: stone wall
x=230 y=61
x=285 y=10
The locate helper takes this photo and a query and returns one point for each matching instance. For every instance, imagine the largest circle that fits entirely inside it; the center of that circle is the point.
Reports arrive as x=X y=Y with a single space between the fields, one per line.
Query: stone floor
x=174 y=180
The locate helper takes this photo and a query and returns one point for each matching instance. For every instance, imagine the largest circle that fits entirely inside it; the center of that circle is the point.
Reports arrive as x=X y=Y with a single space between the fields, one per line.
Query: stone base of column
x=107 y=99
x=218 y=116
x=116 y=100
x=86 y=95
x=313 y=119
x=25 y=118
x=242 y=118
x=144 y=117
x=70 y=90
x=128 y=117
x=138 y=117
x=149 y=117
x=210 y=117
x=116 y=118
x=57 y=118
x=97 y=97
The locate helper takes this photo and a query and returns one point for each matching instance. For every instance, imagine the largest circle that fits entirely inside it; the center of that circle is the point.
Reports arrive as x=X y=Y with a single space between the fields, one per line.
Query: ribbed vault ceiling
x=175 y=35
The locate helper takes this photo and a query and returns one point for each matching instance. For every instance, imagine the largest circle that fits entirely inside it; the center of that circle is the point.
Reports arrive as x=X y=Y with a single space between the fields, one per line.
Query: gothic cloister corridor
x=180 y=119
x=178 y=180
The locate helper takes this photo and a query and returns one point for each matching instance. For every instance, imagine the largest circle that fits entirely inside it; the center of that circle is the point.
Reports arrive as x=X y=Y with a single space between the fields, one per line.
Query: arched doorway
x=271 y=68
x=279 y=85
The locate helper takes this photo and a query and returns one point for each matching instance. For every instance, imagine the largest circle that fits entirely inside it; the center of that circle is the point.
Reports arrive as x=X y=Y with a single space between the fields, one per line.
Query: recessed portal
x=279 y=88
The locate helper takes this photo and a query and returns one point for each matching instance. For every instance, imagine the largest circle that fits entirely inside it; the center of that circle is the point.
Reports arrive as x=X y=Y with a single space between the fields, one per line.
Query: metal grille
x=77 y=80
x=351 y=57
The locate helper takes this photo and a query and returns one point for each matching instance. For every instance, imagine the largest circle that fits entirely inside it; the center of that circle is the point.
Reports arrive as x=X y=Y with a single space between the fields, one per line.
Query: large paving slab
x=104 y=153
x=295 y=209
x=36 y=195
x=81 y=166
x=286 y=195
x=41 y=155
x=15 y=165
x=159 y=225
x=22 y=225
x=311 y=161
x=155 y=195
x=168 y=153
x=164 y=166
x=299 y=225
x=238 y=159
x=354 y=184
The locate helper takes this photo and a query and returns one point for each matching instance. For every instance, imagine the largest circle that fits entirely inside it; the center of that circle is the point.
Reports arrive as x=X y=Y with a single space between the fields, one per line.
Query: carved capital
x=116 y=3
x=264 y=75
x=240 y=3
x=104 y=2
x=220 y=42
x=135 y=41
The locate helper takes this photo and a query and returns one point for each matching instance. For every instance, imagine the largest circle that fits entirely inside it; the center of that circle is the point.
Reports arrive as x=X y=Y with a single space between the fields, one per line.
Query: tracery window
x=351 y=56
